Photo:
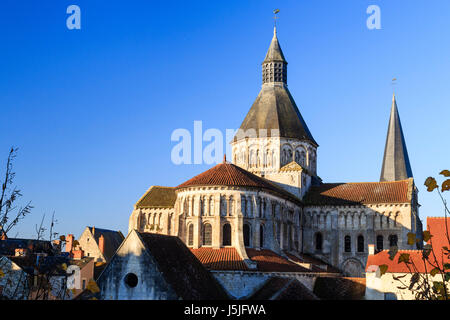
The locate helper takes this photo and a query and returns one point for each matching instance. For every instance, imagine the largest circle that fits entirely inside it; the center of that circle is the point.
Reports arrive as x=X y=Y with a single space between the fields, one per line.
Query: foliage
x=434 y=284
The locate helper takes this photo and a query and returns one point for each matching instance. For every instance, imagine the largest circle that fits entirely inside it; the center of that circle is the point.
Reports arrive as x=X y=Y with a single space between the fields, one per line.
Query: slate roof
x=45 y=264
x=113 y=239
x=277 y=288
x=158 y=197
x=276 y=111
x=274 y=53
x=396 y=164
x=181 y=269
x=338 y=288
x=359 y=193
x=8 y=246
x=228 y=174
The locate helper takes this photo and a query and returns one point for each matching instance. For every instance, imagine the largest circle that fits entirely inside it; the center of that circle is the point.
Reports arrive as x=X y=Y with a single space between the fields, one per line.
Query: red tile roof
x=436 y=226
x=360 y=193
x=227 y=174
x=269 y=261
x=220 y=259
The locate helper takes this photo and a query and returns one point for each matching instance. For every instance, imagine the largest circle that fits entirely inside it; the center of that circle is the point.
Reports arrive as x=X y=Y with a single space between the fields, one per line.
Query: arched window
x=191 y=235
x=360 y=243
x=211 y=206
x=244 y=206
x=348 y=244
x=207 y=234
x=223 y=206
x=226 y=235
x=247 y=233
x=393 y=240
x=261 y=236
x=319 y=241
x=169 y=225
x=379 y=243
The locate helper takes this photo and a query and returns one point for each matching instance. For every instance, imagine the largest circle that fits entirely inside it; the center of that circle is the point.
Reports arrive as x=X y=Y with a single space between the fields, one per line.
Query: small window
x=207 y=234
x=379 y=243
x=393 y=240
x=131 y=280
x=84 y=284
x=261 y=236
x=226 y=237
x=191 y=235
x=247 y=235
x=319 y=241
x=360 y=243
x=348 y=244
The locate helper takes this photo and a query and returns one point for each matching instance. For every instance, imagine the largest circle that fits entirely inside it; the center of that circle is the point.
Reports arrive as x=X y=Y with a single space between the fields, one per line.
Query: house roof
x=338 y=288
x=439 y=239
x=220 y=259
x=113 y=240
x=181 y=269
x=360 y=193
x=8 y=246
x=277 y=288
x=228 y=174
x=45 y=264
x=158 y=197
x=269 y=261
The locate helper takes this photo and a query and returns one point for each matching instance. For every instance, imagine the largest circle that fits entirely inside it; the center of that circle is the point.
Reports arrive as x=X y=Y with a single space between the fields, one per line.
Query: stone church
x=268 y=210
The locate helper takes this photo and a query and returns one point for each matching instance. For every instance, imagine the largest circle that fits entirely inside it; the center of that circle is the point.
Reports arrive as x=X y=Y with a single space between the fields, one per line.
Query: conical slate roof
x=396 y=164
x=275 y=53
x=274 y=112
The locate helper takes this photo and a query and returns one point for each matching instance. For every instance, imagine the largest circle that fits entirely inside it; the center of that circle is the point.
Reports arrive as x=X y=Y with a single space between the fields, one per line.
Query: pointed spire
x=396 y=164
x=274 y=54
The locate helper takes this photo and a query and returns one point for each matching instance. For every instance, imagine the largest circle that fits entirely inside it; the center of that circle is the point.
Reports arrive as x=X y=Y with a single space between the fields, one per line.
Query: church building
x=268 y=210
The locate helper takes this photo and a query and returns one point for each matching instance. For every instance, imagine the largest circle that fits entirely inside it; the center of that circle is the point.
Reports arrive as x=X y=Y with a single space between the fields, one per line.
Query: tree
x=435 y=259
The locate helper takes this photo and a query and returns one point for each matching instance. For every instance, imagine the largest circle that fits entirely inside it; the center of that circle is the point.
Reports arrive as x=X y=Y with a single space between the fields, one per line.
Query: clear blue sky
x=92 y=110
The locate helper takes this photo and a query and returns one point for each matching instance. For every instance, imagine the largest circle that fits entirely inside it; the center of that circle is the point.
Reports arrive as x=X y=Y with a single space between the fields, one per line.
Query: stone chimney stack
x=101 y=244
x=69 y=242
x=371 y=249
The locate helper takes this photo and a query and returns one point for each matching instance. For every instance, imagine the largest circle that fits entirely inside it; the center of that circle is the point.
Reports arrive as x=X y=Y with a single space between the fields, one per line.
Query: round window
x=131 y=280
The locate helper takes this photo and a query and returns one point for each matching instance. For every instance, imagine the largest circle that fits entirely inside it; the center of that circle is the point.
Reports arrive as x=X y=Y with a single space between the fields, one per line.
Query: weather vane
x=275 y=12
x=394 y=82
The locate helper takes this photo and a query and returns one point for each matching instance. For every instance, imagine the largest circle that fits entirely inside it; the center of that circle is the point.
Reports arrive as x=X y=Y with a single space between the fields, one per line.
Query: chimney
x=69 y=242
x=3 y=236
x=101 y=244
x=77 y=254
x=371 y=249
x=93 y=231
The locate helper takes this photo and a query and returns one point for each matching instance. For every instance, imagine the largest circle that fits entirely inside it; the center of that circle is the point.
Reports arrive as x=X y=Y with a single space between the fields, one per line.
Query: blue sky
x=92 y=110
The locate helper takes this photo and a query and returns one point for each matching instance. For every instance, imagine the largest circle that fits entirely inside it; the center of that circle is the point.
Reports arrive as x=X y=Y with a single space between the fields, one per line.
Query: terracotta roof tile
x=269 y=261
x=359 y=193
x=227 y=174
x=436 y=226
x=220 y=259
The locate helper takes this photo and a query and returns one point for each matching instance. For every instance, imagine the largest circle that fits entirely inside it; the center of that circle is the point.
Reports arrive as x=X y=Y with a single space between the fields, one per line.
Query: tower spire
x=274 y=65
x=396 y=164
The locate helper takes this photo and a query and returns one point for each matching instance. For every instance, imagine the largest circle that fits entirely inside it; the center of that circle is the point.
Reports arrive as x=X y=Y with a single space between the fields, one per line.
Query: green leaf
x=434 y=272
x=383 y=269
x=445 y=173
x=404 y=257
x=414 y=280
x=411 y=238
x=426 y=235
x=431 y=184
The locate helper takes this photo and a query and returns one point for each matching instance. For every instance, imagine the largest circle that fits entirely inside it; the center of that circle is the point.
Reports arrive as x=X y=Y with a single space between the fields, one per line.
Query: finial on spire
x=393 y=86
x=275 y=12
x=224 y=158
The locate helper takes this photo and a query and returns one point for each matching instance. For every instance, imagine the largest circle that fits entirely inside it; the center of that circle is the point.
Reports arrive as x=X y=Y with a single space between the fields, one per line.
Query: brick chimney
x=3 y=236
x=93 y=231
x=69 y=242
x=371 y=249
x=77 y=254
x=101 y=244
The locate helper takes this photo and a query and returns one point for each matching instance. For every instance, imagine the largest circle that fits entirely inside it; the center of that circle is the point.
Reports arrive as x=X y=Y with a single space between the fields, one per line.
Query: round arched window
x=131 y=280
